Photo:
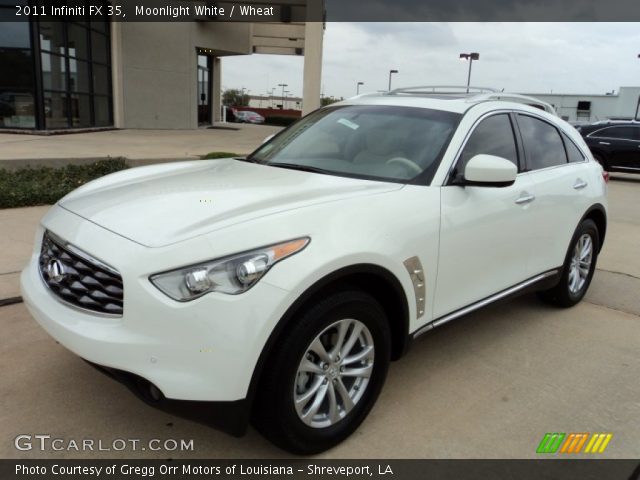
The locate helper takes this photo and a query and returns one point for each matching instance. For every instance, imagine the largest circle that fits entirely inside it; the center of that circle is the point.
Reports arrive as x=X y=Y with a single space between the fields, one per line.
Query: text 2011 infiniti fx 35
x=277 y=288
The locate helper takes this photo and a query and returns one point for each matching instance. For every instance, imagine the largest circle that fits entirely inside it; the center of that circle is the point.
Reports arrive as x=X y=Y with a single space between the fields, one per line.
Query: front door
x=483 y=230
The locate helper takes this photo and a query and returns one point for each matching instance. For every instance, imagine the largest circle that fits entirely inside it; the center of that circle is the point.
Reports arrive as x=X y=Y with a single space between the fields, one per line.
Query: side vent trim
x=418 y=279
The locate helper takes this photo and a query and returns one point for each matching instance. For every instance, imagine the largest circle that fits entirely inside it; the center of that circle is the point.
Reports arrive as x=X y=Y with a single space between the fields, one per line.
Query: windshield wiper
x=302 y=168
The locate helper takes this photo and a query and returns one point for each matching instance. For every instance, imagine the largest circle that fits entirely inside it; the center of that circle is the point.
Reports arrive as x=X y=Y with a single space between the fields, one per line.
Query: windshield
x=364 y=141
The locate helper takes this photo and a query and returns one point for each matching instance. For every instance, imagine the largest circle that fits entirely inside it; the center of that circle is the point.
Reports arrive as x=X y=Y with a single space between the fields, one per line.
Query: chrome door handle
x=580 y=184
x=525 y=198
x=604 y=143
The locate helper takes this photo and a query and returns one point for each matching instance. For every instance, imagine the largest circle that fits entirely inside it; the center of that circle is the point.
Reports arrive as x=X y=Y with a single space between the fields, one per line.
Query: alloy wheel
x=334 y=373
x=580 y=263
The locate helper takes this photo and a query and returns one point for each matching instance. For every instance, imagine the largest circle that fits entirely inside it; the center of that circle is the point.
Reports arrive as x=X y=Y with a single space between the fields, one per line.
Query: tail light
x=605 y=176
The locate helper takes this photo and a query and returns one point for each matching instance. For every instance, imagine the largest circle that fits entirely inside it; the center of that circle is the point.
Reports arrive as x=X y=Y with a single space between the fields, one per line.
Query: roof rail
x=442 y=90
x=515 y=98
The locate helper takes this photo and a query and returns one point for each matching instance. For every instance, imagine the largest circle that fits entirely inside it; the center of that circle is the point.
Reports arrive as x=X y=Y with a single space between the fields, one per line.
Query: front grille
x=79 y=279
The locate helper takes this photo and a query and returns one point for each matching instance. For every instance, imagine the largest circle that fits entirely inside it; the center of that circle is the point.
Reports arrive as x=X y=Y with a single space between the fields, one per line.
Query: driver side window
x=493 y=136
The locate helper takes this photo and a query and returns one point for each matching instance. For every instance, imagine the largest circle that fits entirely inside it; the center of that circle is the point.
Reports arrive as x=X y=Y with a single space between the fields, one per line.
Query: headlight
x=232 y=275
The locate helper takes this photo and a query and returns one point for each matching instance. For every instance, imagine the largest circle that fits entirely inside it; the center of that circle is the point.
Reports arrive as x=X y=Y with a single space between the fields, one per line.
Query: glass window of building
x=54 y=73
x=17 y=97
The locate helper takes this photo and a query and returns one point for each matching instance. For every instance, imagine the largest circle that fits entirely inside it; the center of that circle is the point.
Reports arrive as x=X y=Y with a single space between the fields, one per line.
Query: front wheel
x=326 y=374
x=579 y=266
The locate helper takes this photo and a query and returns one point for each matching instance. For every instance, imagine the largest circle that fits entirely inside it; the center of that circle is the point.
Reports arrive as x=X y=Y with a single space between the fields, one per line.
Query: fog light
x=198 y=281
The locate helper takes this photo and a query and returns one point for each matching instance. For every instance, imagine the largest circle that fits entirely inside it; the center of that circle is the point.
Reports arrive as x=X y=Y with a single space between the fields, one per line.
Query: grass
x=45 y=185
x=213 y=155
x=28 y=187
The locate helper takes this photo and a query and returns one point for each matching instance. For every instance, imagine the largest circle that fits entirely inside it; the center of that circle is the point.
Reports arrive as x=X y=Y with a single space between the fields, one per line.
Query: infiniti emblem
x=56 y=270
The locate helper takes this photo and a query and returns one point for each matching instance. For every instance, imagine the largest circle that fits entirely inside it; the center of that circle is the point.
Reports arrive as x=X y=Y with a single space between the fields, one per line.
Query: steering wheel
x=405 y=162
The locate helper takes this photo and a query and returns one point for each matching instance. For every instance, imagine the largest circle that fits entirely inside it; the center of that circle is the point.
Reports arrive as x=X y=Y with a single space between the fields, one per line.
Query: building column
x=312 y=81
x=216 y=99
x=117 y=75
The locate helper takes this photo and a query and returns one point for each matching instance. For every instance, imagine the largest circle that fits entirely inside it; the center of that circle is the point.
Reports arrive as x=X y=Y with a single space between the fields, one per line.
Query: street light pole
x=358 y=87
x=283 y=85
x=391 y=72
x=470 y=57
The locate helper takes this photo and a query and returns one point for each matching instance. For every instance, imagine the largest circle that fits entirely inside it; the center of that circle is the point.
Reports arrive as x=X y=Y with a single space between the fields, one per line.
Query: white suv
x=276 y=288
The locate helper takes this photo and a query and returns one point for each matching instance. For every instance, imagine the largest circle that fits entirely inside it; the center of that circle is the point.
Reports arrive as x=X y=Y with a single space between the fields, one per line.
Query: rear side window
x=493 y=136
x=623 y=132
x=573 y=153
x=542 y=143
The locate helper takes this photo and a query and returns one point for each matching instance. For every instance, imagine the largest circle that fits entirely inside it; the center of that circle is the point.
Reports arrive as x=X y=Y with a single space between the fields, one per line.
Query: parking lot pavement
x=489 y=385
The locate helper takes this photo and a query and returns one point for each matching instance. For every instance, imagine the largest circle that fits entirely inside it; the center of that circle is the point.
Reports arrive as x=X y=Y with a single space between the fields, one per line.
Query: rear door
x=622 y=142
x=484 y=230
x=559 y=187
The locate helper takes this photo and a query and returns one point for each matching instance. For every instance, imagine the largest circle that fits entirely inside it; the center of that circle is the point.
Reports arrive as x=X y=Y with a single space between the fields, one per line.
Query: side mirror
x=489 y=171
x=268 y=138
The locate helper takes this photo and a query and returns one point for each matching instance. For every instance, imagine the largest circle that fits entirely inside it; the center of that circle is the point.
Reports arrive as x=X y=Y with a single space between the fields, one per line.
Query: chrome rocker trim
x=483 y=303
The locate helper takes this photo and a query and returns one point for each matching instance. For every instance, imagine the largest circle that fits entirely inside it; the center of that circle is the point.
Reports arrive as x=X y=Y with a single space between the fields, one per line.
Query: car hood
x=163 y=204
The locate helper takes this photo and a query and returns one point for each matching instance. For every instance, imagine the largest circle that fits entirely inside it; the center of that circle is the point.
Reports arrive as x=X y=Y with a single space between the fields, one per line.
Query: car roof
x=593 y=127
x=614 y=123
x=449 y=98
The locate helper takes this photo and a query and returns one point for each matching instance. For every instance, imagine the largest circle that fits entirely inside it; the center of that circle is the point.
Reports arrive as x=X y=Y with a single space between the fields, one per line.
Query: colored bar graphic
x=550 y=443
x=598 y=443
x=573 y=443
x=581 y=442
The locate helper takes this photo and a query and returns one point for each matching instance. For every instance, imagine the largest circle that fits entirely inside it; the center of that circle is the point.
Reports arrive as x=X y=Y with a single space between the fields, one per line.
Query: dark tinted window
x=493 y=136
x=623 y=132
x=99 y=47
x=542 y=143
x=17 y=87
x=573 y=153
x=52 y=37
x=12 y=33
x=78 y=44
x=54 y=72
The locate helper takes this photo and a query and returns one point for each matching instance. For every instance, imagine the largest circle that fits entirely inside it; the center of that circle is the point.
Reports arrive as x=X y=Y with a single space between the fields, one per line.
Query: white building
x=275 y=101
x=590 y=108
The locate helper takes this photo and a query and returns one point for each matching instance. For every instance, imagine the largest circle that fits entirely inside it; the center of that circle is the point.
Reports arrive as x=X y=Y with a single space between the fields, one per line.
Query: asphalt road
x=489 y=385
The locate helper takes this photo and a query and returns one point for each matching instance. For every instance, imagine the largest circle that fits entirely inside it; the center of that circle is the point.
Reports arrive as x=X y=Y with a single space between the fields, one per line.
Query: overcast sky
x=519 y=57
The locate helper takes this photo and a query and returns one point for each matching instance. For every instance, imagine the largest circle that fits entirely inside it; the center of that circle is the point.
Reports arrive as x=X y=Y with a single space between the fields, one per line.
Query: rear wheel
x=579 y=266
x=326 y=375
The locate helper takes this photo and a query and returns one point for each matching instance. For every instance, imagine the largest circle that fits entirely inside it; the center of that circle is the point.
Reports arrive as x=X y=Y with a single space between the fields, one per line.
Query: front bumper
x=200 y=351
x=230 y=417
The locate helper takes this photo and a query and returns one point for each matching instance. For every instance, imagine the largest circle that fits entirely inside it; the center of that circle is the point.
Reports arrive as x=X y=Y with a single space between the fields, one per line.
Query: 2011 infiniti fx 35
x=277 y=288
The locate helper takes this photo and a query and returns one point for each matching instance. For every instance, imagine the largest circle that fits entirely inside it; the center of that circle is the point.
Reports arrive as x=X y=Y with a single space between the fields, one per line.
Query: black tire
x=275 y=415
x=562 y=295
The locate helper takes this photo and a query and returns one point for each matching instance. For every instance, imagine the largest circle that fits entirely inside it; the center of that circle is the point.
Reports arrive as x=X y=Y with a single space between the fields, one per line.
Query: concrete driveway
x=489 y=385
x=139 y=147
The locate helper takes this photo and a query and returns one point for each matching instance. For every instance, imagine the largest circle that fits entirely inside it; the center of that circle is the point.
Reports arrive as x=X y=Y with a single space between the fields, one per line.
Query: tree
x=324 y=101
x=232 y=97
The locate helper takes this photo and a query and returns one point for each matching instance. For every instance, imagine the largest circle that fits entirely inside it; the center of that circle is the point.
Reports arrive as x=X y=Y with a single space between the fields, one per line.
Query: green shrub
x=280 y=120
x=45 y=185
x=213 y=155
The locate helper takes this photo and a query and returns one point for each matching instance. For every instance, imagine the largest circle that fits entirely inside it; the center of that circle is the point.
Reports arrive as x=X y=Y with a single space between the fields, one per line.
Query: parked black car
x=615 y=144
